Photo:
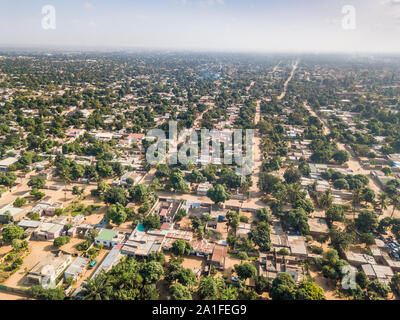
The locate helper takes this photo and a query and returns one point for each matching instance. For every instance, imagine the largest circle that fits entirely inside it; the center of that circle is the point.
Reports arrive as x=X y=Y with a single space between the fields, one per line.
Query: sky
x=205 y=25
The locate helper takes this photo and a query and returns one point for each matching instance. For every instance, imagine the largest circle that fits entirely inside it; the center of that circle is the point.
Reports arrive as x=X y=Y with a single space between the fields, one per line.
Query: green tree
x=19 y=202
x=283 y=287
x=139 y=193
x=181 y=247
x=218 y=194
x=12 y=232
x=395 y=284
x=151 y=272
x=335 y=213
x=292 y=174
x=180 y=292
x=37 y=183
x=60 y=241
x=341 y=156
x=152 y=222
x=380 y=288
x=260 y=235
x=116 y=213
x=307 y=290
x=245 y=270
x=367 y=221
x=115 y=195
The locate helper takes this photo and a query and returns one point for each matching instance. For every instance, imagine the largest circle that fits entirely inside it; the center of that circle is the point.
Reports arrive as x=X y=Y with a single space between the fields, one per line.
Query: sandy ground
x=9 y=296
x=39 y=249
x=282 y=95
x=326 y=284
x=89 y=272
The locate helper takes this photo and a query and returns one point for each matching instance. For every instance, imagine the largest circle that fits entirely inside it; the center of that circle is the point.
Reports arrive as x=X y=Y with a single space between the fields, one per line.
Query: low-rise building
x=5 y=163
x=358 y=259
x=48 y=269
x=374 y=271
x=271 y=264
x=47 y=231
x=109 y=238
x=218 y=256
x=203 y=188
x=8 y=211
x=77 y=268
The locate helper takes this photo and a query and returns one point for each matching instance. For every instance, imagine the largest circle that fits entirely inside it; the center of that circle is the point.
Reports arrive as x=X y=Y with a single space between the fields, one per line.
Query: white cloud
x=88 y=5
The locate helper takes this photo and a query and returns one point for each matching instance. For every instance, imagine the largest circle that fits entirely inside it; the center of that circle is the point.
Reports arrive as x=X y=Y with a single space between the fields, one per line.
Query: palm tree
x=96 y=288
x=65 y=175
x=326 y=199
x=383 y=200
x=356 y=199
x=395 y=202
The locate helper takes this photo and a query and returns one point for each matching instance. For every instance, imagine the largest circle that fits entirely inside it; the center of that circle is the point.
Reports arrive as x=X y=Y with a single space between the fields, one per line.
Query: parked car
x=92 y=264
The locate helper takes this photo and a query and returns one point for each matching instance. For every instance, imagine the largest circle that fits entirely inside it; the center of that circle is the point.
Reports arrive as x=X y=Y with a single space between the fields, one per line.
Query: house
x=358 y=259
x=45 y=203
x=218 y=256
x=141 y=244
x=380 y=272
x=47 y=231
x=167 y=210
x=297 y=246
x=271 y=264
x=109 y=238
x=243 y=230
x=74 y=133
x=77 y=268
x=4 y=164
x=130 y=175
x=113 y=257
x=8 y=211
x=25 y=224
x=202 y=248
x=203 y=188
x=318 y=226
x=51 y=209
x=49 y=268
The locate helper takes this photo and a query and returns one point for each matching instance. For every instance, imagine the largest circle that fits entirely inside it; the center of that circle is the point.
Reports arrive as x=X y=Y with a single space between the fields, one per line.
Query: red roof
x=165 y=226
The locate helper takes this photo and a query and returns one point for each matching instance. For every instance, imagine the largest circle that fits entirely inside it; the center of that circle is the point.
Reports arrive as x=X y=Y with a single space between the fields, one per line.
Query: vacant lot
x=39 y=249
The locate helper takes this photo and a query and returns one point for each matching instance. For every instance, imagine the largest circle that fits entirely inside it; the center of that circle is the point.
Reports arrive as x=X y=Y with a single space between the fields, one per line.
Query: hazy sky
x=247 y=25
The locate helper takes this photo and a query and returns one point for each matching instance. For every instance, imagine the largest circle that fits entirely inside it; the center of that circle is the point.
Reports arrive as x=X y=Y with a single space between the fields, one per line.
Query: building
x=113 y=257
x=130 y=175
x=318 y=227
x=77 y=268
x=4 y=164
x=48 y=231
x=202 y=248
x=48 y=269
x=243 y=230
x=218 y=256
x=141 y=244
x=203 y=188
x=358 y=259
x=297 y=246
x=271 y=264
x=8 y=211
x=109 y=238
x=374 y=271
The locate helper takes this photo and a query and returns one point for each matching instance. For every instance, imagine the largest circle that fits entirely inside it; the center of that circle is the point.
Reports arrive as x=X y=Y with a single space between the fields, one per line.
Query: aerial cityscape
x=158 y=174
